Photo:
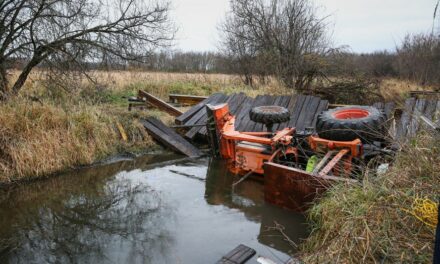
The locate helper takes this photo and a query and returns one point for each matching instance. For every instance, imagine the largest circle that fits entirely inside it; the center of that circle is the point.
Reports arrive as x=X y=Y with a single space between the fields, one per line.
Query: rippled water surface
x=155 y=209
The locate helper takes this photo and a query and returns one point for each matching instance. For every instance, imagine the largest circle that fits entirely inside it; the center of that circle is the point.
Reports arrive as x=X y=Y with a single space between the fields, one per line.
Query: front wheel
x=269 y=115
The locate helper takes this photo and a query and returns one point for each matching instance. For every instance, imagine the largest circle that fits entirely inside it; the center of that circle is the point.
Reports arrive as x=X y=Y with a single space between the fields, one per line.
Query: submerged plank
x=169 y=137
x=238 y=255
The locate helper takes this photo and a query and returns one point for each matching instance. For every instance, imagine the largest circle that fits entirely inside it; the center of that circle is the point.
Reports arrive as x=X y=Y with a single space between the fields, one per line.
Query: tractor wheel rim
x=350 y=114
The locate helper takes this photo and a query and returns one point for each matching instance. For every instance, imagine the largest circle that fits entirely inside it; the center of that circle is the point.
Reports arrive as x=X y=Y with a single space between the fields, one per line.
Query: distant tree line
x=285 y=39
x=417 y=59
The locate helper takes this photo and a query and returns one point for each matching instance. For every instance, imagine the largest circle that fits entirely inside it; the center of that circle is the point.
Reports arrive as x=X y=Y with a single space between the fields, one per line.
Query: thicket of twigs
x=353 y=90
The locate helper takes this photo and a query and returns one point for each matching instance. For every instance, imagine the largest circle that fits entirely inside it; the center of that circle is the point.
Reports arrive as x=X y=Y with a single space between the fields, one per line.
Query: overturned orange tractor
x=297 y=165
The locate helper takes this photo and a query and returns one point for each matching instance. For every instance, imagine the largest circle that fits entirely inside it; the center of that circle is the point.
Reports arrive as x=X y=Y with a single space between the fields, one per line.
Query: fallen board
x=238 y=255
x=186 y=99
x=169 y=137
x=158 y=103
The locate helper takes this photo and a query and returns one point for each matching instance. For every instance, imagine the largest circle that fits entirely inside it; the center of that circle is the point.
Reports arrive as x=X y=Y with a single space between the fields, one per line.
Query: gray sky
x=364 y=25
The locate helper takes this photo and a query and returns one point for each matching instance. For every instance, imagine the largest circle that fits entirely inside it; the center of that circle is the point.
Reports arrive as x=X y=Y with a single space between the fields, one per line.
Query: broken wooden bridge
x=404 y=121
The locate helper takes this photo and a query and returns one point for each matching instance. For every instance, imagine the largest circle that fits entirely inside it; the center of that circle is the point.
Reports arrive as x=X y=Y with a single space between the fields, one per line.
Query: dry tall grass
x=371 y=223
x=37 y=139
x=77 y=126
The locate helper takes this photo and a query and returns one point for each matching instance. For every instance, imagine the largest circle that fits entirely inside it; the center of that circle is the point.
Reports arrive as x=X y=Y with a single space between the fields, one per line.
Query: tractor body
x=281 y=157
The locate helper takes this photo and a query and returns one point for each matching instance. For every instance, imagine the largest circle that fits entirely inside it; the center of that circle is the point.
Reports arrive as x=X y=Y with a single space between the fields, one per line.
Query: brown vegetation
x=47 y=130
x=371 y=222
x=37 y=139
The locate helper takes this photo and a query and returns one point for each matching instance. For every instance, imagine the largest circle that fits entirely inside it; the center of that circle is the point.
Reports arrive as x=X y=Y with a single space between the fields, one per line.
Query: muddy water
x=142 y=211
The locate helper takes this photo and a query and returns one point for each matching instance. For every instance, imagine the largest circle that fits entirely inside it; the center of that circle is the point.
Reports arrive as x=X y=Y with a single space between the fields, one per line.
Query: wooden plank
x=416 y=94
x=201 y=116
x=430 y=109
x=169 y=137
x=299 y=117
x=158 y=103
x=193 y=110
x=310 y=114
x=296 y=110
x=245 y=120
x=428 y=112
x=389 y=109
x=250 y=124
x=402 y=125
x=197 y=130
x=379 y=105
x=292 y=102
x=238 y=255
x=415 y=117
x=186 y=99
x=244 y=111
x=436 y=116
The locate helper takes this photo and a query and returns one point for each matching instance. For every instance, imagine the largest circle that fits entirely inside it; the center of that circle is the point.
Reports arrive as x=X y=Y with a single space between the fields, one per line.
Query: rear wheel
x=348 y=123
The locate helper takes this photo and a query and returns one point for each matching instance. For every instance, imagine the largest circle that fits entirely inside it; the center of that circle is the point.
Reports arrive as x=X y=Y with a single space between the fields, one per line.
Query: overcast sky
x=364 y=25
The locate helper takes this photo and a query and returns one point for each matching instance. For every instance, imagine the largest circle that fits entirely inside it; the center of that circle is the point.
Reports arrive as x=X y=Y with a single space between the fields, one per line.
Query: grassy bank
x=39 y=138
x=48 y=129
x=376 y=222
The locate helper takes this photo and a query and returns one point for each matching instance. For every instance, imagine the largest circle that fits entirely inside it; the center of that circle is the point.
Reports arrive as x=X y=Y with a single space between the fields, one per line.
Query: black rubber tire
x=367 y=129
x=269 y=114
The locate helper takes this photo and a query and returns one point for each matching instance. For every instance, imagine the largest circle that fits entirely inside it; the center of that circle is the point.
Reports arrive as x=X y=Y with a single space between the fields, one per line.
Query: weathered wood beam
x=158 y=103
x=186 y=99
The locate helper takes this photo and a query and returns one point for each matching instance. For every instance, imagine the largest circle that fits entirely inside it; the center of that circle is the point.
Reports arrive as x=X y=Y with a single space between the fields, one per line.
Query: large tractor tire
x=348 y=123
x=269 y=114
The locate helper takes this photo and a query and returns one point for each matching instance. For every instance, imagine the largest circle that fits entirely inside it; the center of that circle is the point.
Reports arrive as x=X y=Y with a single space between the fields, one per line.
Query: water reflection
x=76 y=218
x=133 y=212
x=248 y=196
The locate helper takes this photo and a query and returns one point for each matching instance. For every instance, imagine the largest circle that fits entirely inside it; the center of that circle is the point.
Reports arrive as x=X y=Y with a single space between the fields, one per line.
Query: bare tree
x=418 y=58
x=287 y=33
x=77 y=31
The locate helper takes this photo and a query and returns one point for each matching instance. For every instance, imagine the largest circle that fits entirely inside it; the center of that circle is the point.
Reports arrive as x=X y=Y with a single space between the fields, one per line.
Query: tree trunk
x=36 y=59
x=3 y=81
